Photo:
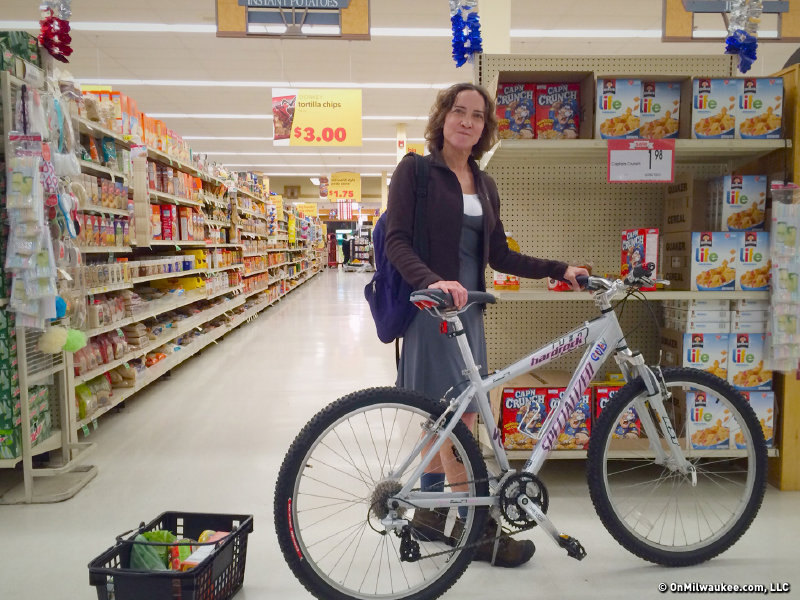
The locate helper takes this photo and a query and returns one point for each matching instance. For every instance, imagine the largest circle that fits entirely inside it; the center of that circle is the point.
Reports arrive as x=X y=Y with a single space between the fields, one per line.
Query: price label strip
x=641 y=161
x=325 y=117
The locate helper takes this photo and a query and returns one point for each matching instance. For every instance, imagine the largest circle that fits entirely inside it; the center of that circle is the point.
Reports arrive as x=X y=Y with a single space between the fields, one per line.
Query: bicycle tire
x=305 y=464
x=737 y=478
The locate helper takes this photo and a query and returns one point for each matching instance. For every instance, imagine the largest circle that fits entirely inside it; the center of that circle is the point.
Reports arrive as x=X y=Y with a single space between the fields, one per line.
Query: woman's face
x=464 y=124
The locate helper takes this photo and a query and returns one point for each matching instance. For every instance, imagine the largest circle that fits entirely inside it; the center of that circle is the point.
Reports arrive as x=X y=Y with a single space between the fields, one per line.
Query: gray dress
x=430 y=362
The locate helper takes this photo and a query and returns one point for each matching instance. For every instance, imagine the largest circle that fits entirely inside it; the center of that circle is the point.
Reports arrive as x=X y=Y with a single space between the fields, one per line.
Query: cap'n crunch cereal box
x=558 y=108
x=660 y=108
x=524 y=412
x=629 y=424
x=714 y=107
x=760 y=109
x=618 y=108
x=579 y=425
x=515 y=110
x=639 y=247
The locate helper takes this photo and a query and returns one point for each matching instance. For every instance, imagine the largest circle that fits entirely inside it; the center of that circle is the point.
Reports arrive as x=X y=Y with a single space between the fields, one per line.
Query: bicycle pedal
x=572 y=546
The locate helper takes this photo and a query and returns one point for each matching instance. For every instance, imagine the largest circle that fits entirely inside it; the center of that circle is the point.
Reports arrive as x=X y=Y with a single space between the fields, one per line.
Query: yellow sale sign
x=309 y=209
x=319 y=117
x=278 y=202
x=344 y=187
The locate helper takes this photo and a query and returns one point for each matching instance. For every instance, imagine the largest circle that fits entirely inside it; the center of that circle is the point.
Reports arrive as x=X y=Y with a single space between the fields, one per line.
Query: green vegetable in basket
x=165 y=537
x=145 y=557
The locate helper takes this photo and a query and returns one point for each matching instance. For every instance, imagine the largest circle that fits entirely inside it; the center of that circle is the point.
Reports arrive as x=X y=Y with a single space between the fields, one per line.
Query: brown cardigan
x=444 y=216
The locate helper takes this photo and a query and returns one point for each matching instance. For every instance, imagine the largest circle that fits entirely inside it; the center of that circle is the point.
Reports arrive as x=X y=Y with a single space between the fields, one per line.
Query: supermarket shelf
x=87 y=165
x=110 y=327
x=246 y=192
x=253 y=254
x=176 y=243
x=105 y=249
x=91 y=128
x=215 y=223
x=261 y=236
x=252 y=213
x=259 y=290
x=237 y=288
x=102 y=210
x=213 y=201
x=548 y=296
x=283 y=264
x=167 y=275
x=48 y=445
x=255 y=272
x=103 y=289
x=42 y=376
x=172 y=199
x=224 y=245
x=220 y=269
x=686 y=151
x=282 y=237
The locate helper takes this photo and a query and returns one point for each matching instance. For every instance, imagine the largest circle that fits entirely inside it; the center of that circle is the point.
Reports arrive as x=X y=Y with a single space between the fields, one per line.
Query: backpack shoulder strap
x=421 y=171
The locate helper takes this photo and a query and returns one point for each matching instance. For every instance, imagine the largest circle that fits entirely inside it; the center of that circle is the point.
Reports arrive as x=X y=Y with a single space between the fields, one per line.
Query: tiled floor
x=212 y=437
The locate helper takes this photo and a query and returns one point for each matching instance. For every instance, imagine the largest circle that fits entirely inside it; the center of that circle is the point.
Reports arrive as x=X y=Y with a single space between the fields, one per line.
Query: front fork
x=632 y=365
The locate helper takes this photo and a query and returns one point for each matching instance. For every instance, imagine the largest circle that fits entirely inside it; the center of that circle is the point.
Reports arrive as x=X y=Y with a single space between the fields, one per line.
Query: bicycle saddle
x=433 y=298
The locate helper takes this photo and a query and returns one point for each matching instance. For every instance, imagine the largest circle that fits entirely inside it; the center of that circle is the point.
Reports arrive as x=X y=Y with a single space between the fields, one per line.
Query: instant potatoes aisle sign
x=319 y=117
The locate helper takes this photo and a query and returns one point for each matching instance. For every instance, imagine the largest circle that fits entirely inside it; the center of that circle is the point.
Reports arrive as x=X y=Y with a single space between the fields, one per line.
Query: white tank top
x=472 y=205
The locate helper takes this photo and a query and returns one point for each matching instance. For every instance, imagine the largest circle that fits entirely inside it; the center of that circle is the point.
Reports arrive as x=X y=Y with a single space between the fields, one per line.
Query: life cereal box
x=558 y=110
x=707 y=352
x=579 y=425
x=524 y=412
x=660 y=109
x=639 y=247
x=744 y=200
x=760 y=109
x=753 y=270
x=515 y=110
x=714 y=107
x=713 y=263
x=618 y=108
x=709 y=422
x=746 y=355
x=763 y=404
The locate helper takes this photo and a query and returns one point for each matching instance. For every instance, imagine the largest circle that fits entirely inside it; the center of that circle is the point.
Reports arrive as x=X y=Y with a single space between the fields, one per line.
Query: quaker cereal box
x=524 y=412
x=760 y=109
x=579 y=425
x=713 y=262
x=763 y=404
x=746 y=355
x=660 y=109
x=709 y=422
x=707 y=352
x=714 y=107
x=744 y=200
x=516 y=111
x=639 y=247
x=753 y=270
x=618 y=108
x=629 y=425
x=558 y=110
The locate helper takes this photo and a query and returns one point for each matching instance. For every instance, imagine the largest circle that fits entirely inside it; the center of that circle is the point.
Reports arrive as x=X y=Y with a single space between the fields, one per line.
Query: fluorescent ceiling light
x=399 y=119
x=121 y=27
x=264 y=84
x=315 y=180
x=312 y=174
x=207 y=116
x=315 y=153
x=410 y=32
x=320 y=166
x=261 y=28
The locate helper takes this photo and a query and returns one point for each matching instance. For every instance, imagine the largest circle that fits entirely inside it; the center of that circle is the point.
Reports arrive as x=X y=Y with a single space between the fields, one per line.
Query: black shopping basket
x=218 y=577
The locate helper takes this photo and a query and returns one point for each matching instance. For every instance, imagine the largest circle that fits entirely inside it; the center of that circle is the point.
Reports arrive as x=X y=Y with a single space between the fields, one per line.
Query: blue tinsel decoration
x=744 y=45
x=466 y=36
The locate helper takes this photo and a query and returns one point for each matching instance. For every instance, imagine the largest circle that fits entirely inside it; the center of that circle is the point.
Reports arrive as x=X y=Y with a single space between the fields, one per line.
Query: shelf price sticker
x=641 y=161
x=316 y=117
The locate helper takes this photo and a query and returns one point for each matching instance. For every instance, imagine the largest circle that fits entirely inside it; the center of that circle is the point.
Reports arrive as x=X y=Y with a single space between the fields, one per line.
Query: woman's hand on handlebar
x=571 y=275
x=455 y=289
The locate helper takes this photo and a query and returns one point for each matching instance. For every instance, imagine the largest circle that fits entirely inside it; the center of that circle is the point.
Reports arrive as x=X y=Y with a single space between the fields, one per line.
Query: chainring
x=516 y=485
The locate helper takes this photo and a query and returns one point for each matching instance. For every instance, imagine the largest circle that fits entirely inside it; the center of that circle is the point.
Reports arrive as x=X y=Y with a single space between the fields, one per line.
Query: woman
x=464 y=235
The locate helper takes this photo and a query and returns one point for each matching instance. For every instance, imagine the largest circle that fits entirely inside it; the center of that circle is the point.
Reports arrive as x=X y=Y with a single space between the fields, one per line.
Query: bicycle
x=348 y=487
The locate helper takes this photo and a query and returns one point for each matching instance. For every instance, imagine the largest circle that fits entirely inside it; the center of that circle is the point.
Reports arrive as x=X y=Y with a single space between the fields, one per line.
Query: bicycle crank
x=570 y=544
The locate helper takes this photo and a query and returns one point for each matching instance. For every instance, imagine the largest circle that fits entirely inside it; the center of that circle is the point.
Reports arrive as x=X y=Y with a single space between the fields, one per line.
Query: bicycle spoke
x=366 y=464
x=325 y=539
x=350 y=500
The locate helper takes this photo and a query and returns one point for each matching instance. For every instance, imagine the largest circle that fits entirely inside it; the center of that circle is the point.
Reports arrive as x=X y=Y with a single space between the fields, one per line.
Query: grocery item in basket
x=618 y=108
x=515 y=110
x=660 y=109
x=760 y=108
x=558 y=110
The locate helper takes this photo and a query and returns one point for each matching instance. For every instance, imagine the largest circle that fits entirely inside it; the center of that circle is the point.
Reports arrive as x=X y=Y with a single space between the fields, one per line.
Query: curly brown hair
x=434 y=131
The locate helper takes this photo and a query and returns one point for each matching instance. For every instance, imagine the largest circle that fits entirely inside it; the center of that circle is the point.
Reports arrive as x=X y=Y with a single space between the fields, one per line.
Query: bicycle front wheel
x=658 y=512
x=333 y=488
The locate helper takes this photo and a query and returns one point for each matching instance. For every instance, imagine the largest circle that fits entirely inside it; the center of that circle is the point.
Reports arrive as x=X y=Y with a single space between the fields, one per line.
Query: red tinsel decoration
x=55 y=36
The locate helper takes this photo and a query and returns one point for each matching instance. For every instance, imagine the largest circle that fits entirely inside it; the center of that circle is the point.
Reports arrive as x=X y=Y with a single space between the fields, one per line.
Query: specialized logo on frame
x=566 y=344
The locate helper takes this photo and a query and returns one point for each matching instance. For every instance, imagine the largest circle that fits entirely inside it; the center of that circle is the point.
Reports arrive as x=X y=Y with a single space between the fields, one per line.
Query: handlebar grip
x=583 y=280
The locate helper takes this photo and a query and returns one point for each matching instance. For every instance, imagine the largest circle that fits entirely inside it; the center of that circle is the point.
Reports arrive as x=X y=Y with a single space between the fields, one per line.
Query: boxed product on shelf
x=523 y=413
x=639 y=247
x=558 y=110
x=675 y=253
x=763 y=404
x=713 y=260
x=698 y=304
x=760 y=108
x=749 y=326
x=714 y=107
x=698 y=326
x=685 y=202
x=745 y=304
x=516 y=110
x=741 y=202
x=578 y=427
x=704 y=351
x=708 y=422
x=660 y=109
x=746 y=368
x=618 y=108
x=697 y=314
x=629 y=425
x=754 y=269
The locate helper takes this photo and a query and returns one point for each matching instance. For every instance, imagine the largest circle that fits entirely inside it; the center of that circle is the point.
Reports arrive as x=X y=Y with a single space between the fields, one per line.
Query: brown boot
x=510 y=552
x=428 y=525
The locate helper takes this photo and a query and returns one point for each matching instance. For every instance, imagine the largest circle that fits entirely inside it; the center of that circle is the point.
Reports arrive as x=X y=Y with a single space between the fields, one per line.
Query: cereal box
x=713 y=263
x=714 y=107
x=763 y=404
x=660 y=109
x=579 y=425
x=760 y=109
x=709 y=422
x=707 y=352
x=746 y=355
x=629 y=425
x=618 y=108
x=744 y=202
x=753 y=270
x=639 y=247
x=558 y=110
x=516 y=112
x=524 y=412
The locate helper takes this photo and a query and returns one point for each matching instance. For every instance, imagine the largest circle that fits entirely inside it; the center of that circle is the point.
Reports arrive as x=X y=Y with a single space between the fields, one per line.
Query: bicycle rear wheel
x=333 y=483
x=660 y=514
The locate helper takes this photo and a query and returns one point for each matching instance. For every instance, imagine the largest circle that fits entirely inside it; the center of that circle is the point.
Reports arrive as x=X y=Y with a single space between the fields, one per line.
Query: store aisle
x=211 y=439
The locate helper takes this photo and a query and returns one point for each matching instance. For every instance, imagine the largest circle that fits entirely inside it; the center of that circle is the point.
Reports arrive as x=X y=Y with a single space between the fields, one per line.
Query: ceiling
x=392 y=60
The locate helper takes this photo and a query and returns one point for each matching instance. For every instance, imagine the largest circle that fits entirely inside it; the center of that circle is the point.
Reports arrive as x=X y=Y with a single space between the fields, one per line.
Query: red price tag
x=328 y=134
x=641 y=161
